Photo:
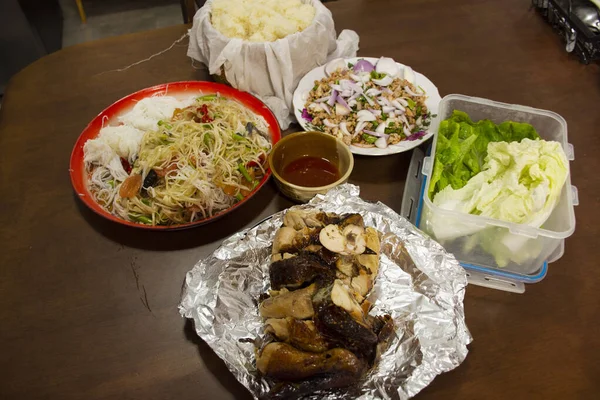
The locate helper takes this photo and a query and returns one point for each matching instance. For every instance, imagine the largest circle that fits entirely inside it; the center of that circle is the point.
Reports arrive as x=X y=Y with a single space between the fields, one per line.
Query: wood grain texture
x=73 y=323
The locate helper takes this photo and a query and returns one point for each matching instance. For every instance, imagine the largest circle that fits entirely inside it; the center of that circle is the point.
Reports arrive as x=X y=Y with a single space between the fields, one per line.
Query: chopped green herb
x=207 y=97
x=350 y=65
x=411 y=103
x=418 y=110
x=146 y=202
x=238 y=137
x=207 y=139
x=377 y=75
x=255 y=184
x=160 y=122
x=315 y=87
x=369 y=138
x=239 y=197
x=384 y=116
x=111 y=183
x=141 y=218
x=375 y=124
x=244 y=172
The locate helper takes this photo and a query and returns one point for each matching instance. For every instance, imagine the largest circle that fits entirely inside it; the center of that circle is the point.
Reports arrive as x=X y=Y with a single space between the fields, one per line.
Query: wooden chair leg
x=81 y=11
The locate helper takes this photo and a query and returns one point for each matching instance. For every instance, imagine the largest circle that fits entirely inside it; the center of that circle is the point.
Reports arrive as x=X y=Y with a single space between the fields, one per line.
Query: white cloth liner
x=270 y=70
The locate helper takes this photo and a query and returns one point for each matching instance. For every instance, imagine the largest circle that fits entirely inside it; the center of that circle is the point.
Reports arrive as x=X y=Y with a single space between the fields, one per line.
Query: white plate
x=432 y=102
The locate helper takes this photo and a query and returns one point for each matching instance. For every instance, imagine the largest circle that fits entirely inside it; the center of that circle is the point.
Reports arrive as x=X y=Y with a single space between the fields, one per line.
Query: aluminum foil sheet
x=425 y=299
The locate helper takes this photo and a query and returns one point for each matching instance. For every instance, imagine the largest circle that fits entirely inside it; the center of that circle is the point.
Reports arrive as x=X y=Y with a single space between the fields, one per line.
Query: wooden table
x=72 y=320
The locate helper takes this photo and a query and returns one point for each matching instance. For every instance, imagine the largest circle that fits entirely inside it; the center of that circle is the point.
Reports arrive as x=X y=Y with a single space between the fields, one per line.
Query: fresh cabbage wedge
x=520 y=182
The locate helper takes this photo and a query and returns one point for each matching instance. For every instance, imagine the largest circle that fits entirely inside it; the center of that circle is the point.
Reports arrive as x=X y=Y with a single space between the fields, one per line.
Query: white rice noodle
x=147 y=112
x=123 y=139
x=98 y=152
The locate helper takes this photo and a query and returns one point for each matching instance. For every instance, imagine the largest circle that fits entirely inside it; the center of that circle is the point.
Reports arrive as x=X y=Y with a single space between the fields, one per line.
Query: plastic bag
x=270 y=70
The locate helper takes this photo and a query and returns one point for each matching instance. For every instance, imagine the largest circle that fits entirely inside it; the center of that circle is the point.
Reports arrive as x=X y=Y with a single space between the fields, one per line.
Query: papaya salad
x=368 y=105
x=173 y=162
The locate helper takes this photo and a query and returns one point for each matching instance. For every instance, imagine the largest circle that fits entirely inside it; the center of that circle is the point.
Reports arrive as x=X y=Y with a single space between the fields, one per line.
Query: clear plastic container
x=515 y=248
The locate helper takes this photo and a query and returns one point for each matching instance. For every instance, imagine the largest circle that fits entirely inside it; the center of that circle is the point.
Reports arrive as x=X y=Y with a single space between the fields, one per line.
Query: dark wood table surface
x=72 y=322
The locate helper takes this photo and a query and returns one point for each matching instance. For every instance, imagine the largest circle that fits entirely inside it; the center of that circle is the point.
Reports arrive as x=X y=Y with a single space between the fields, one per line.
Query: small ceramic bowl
x=313 y=144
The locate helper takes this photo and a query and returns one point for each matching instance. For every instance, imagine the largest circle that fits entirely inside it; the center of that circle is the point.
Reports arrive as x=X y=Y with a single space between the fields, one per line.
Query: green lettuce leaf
x=462 y=147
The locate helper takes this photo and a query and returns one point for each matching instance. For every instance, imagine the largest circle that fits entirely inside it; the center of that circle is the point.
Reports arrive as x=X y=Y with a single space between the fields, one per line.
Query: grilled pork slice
x=284 y=362
x=296 y=304
x=301 y=334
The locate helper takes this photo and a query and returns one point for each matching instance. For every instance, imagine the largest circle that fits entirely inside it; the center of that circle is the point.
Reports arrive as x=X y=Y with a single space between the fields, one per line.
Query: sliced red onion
x=356 y=78
x=344 y=84
x=419 y=121
x=334 y=65
x=322 y=99
x=365 y=115
x=410 y=92
x=353 y=86
x=388 y=109
x=352 y=102
x=344 y=128
x=336 y=87
x=386 y=80
x=381 y=127
x=382 y=101
x=392 y=114
x=375 y=112
x=402 y=101
x=386 y=90
x=359 y=127
x=341 y=110
x=381 y=143
x=354 y=96
x=397 y=104
x=329 y=124
x=369 y=100
x=403 y=119
x=325 y=108
x=416 y=135
x=388 y=66
x=346 y=93
x=341 y=101
x=363 y=66
x=376 y=134
x=373 y=92
x=332 y=98
x=406 y=131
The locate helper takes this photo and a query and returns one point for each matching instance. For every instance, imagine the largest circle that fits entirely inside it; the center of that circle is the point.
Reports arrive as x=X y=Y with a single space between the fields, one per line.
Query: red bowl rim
x=77 y=168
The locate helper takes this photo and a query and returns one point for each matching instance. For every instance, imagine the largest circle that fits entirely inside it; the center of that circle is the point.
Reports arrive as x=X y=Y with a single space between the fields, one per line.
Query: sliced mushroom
x=332 y=239
x=355 y=239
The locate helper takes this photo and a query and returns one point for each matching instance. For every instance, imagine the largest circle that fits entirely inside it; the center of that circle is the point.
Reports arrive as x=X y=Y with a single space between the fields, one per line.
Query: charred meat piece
x=302 y=335
x=295 y=390
x=296 y=304
x=340 y=319
x=284 y=362
x=299 y=271
x=288 y=240
x=384 y=328
x=351 y=219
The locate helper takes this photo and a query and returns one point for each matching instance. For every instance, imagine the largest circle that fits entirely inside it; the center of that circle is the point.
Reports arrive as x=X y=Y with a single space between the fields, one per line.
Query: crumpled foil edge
x=425 y=300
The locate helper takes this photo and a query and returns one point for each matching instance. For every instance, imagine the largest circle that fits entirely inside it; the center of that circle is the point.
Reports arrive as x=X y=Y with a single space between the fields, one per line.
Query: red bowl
x=79 y=175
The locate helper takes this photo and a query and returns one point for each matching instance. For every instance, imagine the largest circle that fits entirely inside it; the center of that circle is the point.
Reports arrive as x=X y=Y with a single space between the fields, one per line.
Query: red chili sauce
x=310 y=171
